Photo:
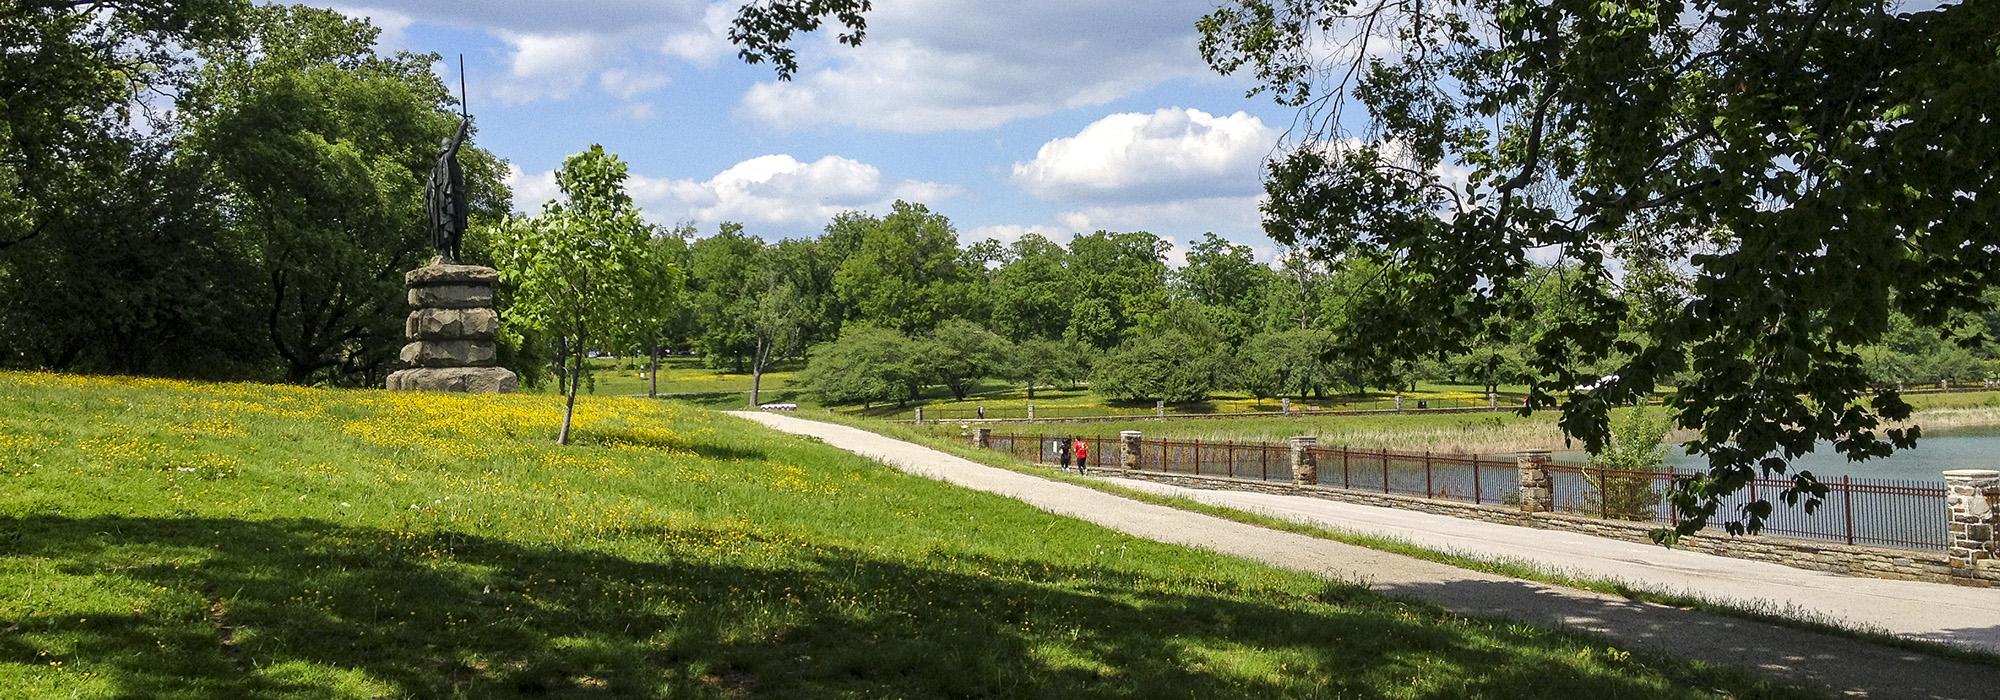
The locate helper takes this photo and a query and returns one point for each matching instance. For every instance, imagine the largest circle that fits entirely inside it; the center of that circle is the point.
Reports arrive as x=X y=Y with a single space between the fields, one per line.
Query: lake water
x=1967 y=448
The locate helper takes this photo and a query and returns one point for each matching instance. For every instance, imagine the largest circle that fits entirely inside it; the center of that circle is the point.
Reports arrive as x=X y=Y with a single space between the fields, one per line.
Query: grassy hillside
x=161 y=539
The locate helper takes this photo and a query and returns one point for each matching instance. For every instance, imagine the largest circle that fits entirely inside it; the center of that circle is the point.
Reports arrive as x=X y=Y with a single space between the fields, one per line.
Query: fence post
x=1305 y=468
x=1475 y=480
x=1128 y=449
x=1346 y=475
x=1285 y=405
x=1229 y=458
x=1399 y=403
x=1944 y=384
x=1492 y=402
x=1031 y=411
x=1264 y=458
x=1197 y=456
x=920 y=414
x=1427 y=473
x=982 y=438
x=1847 y=504
x=1536 y=494
x=1160 y=409
x=1385 y=467
x=1970 y=494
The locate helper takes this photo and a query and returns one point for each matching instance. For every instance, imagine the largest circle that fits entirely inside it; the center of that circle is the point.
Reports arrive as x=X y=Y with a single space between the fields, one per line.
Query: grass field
x=163 y=539
x=1478 y=433
x=1011 y=401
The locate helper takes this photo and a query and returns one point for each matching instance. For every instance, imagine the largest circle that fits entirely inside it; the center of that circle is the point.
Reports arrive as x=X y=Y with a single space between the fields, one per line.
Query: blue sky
x=1050 y=116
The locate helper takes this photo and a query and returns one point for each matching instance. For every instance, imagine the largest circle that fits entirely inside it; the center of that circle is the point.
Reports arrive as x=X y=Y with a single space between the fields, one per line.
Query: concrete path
x=1846 y=666
x=1958 y=615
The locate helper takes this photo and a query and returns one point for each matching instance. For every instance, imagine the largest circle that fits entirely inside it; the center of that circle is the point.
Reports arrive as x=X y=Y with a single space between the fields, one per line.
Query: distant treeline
x=882 y=307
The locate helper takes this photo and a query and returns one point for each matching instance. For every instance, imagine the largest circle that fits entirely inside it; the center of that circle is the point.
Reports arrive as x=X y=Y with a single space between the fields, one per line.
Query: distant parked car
x=780 y=407
x=1601 y=382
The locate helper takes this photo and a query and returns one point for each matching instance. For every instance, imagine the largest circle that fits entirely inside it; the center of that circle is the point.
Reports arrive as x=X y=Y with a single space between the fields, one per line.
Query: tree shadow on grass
x=267 y=608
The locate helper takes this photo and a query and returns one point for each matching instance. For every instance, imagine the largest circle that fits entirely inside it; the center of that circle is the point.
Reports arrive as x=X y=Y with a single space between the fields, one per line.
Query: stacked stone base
x=452 y=330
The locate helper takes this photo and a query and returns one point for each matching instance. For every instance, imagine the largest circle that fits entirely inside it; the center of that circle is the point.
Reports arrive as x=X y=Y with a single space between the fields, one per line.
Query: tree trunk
x=562 y=365
x=575 y=378
x=757 y=373
x=653 y=370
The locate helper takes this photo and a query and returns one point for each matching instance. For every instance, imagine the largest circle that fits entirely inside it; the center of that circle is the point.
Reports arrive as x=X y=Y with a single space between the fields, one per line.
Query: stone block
x=438 y=273
x=471 y=380
x=452 y=324
x=448 y=353
x=452 y=296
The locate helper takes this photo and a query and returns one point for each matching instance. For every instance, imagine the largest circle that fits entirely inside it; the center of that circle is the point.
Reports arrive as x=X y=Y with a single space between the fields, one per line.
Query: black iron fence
x=1880 y=512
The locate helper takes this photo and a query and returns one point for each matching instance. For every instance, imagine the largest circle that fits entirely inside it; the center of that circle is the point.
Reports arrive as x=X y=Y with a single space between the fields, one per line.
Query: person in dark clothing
x=1062 y=448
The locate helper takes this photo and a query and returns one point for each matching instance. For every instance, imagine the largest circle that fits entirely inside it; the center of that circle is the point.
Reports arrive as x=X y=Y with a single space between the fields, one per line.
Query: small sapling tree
x=578 y=267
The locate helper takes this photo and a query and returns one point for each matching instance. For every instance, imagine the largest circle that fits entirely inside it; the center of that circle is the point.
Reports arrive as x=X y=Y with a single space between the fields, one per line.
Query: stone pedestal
x=982 y=438
x=1305 y=466
x=1537 y=496
x=1971 y=495
x=452 y=327
x=1128 y=449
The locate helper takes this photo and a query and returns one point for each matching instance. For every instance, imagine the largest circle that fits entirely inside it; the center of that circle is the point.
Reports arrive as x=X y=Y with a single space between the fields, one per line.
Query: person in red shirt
x=1082 y=455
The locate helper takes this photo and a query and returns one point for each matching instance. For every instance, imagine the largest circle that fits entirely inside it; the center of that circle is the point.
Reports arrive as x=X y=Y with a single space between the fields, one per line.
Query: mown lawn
x=1482 y=432
x=171 y=540
x=1006 y=401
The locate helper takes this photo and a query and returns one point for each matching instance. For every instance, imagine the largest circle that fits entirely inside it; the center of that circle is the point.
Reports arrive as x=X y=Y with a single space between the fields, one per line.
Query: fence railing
x=1880 y=512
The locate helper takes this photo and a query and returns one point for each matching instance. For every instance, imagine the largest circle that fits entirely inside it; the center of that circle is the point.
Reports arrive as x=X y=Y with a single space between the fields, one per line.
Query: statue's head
x=445 y=143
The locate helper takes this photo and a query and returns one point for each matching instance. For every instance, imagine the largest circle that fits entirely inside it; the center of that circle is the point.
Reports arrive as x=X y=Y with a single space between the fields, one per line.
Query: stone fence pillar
x=982 y=438
x=1944 y=384
x=920 y=414
x=1285 y=405
x=1971 y=495
x=1305 y=467
x=1399 y=403
x=1160 y=410
x=1031 y=411
x=1536 y=494
x=1128 y=449
x=1492 y=402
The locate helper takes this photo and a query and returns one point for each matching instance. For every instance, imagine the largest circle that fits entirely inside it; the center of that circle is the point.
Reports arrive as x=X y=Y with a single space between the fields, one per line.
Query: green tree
x=778 y=328
x=1811 y=160
x=906 y=272
x=579 y=265
x=1228 y=279
x=657 y=306
x=960 y=353
x=1177 y=357
x=1119 y=280
x=1038 y=362
x=322 y=147
x=725 y=276
x=866 y=365
x=1032 y=290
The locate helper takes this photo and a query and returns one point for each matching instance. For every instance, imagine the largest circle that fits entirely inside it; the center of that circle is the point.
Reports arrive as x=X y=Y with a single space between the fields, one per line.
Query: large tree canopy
x=1811 y=165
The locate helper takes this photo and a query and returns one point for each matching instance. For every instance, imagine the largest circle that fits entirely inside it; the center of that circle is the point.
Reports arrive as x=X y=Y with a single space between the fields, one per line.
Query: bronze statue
x=444 y=198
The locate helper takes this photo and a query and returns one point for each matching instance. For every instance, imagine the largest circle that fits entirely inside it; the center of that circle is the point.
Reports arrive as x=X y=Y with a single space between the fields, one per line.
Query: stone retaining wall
x=1852 y=560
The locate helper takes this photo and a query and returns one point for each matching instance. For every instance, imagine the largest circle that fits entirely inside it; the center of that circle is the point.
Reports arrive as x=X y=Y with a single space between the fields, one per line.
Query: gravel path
x=1850 y=667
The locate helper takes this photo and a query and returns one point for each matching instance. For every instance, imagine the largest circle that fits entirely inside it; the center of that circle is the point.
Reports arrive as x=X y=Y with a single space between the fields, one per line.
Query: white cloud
x=1236 y=218
x=1170 y=154
x=531 y=191
x=628 y=83
x=780 y=192
x=971 y=64
x=554 y=49
x=707 y=42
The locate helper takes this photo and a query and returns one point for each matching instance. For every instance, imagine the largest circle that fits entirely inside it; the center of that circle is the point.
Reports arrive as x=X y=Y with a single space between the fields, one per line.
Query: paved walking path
x=1938 y=612
x=1847 y=666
